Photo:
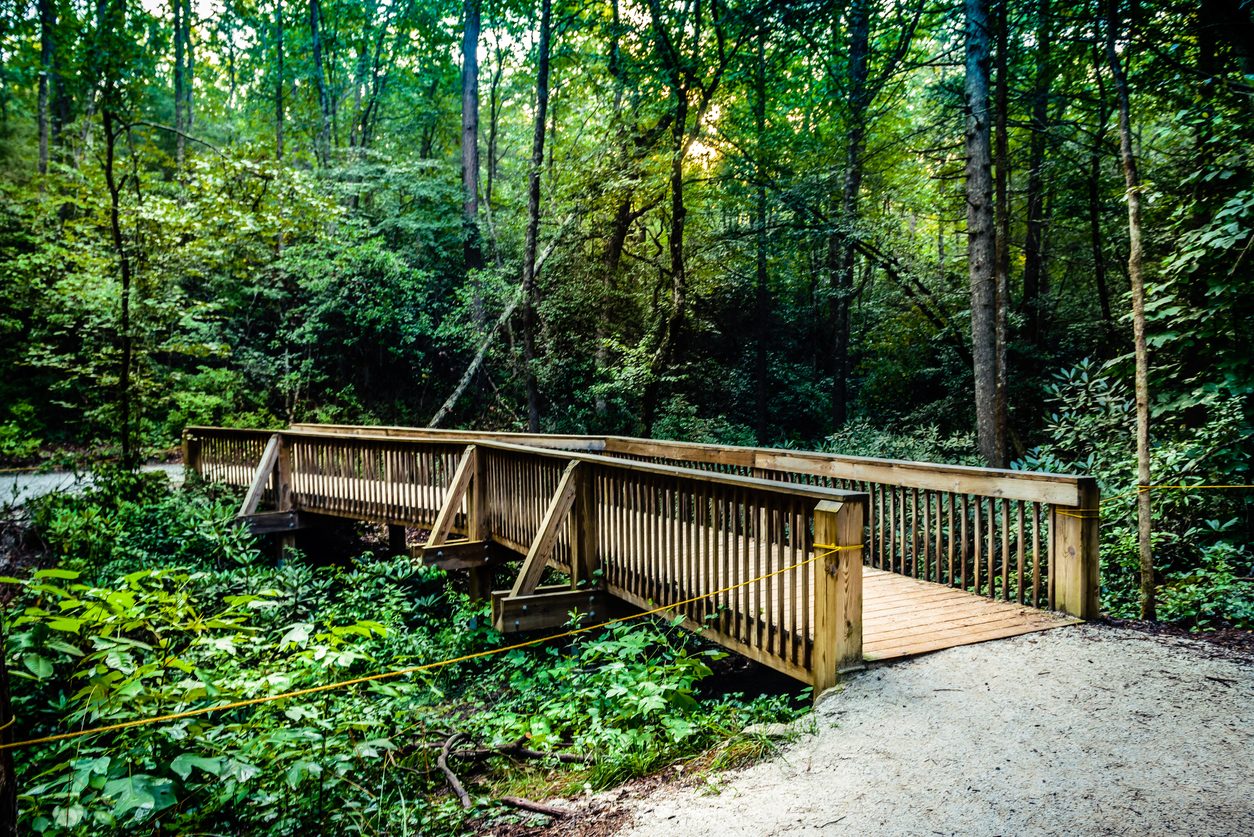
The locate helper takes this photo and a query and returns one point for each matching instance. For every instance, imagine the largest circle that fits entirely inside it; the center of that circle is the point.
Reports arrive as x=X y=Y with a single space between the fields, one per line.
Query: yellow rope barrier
x=386 y=675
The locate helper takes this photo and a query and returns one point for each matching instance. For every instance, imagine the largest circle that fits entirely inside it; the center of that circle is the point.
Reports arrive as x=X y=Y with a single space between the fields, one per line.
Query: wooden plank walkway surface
x=902 y=617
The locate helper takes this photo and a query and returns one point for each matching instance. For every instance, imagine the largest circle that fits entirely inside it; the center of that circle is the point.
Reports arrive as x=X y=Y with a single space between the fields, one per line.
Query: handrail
x=1029 y=486
x=1021 y=536
x=814 y=492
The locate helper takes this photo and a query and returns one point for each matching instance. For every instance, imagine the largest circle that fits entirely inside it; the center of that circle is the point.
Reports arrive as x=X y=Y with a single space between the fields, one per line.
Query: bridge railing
x=734 y=556
x=1020 y=536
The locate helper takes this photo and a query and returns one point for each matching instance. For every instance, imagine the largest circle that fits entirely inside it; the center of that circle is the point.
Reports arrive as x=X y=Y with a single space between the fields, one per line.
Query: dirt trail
x=1084 y=730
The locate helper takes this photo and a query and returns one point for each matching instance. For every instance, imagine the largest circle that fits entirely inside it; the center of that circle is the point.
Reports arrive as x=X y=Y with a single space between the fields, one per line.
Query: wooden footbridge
x=809 y=563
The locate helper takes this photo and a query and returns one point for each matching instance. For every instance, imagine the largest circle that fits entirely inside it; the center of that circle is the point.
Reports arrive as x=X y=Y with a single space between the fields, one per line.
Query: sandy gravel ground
x=17 y=488
x=1083 y=730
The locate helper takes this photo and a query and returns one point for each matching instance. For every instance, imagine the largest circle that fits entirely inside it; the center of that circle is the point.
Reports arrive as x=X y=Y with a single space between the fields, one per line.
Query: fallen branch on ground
x=536 y=807
x=453 y=781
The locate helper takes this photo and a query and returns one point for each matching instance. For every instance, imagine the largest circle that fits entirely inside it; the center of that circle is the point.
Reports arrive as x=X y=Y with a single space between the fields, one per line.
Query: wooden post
x=396 y=539
x=284 y=499
x=283 y=491
x=477 y=523
x=837 y=590
x=1073 y=553
x=191 y=455
x=584 y=561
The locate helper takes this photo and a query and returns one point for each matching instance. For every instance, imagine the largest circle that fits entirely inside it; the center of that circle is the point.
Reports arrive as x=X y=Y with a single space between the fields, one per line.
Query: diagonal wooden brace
x=457 y=492
x=550 y=526
x=269 y=460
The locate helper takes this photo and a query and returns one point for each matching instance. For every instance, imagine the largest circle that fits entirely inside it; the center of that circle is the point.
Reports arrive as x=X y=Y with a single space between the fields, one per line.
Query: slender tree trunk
x=47 y=23
x=1001 y=200
x=473 y=249
x=981 y=238
x=530 y=293
x=844 y=254
x=494 y=117
x=1095 y=204
x=761 y=302
x=189 y=68
x=279 y=80
x=679 y=281
x=1132 y=181
x=1034 y=276
x=180 y=148
x=111 y=130
x=323 y=143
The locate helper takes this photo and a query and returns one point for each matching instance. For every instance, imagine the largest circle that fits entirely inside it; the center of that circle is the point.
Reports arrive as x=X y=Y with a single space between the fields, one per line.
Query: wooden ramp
x=902 y=617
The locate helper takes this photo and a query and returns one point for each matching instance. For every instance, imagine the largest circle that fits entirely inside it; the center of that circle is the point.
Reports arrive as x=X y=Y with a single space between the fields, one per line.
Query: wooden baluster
x=1036 y=555
x=1005 y=550
x=979 y=542
x=992 y=551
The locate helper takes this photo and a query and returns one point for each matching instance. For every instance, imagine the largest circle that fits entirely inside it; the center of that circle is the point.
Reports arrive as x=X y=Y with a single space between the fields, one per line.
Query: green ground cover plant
x=153 y=602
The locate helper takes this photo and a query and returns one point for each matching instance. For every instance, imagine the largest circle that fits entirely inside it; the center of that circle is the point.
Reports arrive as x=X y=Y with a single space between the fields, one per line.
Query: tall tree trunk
x=1001 y=200
x=278 y=82
x=323 y=142
x=981 y=239
x=842 y=252
x=530 y=294
x=111 y=131
x=1132 y=180
x=180 y=146
x=761 y=301
x=494 y=118
x=189 y=68
x=47 y=24
x=472 y=247
x=1035 y=284
x=679 y=281
x=1094 y=200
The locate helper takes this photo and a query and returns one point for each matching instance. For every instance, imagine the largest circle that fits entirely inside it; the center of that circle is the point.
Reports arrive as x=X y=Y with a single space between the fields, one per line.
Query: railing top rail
x=1032 y=486
x=563 y=441
x=814 y=492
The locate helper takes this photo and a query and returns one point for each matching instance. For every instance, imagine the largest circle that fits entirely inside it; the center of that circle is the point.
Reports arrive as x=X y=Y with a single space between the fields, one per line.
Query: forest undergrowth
x=143 y=601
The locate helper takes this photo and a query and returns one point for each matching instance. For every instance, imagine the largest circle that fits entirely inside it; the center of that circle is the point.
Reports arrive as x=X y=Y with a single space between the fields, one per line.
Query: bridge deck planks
x=903 y=617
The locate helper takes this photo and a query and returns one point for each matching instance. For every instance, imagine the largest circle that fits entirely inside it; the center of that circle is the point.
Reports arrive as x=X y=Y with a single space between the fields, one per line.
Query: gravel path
x=17 y=488
x=1083 y=730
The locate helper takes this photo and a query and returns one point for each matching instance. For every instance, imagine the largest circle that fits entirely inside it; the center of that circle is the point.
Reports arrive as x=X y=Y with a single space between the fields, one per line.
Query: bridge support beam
x=837 y=591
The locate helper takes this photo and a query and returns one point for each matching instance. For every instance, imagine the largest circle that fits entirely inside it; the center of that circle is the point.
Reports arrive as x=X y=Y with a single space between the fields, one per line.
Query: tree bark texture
x=1001 y=201
x=47 y=26
x=530 y=293
x=761 y=301
x=180 y=147
x=981 y=239
x=842 y=248
x=1035 y=278
x=472 y=246
x=323 y=142
x=1132 y=181
x=279 y=79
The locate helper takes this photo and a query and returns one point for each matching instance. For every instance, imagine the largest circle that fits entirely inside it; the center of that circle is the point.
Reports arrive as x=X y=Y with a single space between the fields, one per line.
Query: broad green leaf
x=56 y=573
x=183 y=764
x=39 y=666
